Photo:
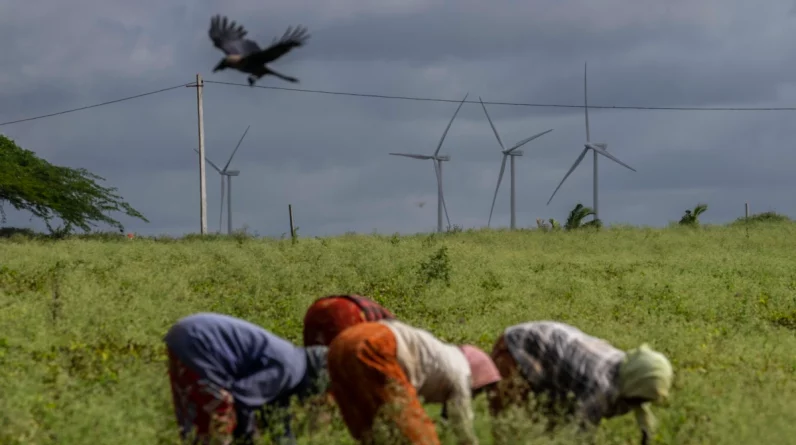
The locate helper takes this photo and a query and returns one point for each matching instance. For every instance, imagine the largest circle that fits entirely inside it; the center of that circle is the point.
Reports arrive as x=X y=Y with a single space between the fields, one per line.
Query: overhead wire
x=397 y=97
x=516 y=104
x=101 y=104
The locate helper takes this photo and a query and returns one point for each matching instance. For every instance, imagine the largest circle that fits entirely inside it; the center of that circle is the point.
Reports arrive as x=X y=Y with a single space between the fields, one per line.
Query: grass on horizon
x=81 y=321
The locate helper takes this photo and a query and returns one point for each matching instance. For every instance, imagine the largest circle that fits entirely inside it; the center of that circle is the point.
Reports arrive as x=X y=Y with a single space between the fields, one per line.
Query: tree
x=577 y=215
x=48 y=191
x=691 y=217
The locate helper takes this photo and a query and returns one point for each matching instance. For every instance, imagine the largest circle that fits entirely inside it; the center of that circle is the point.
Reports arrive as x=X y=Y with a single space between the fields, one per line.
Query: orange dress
x=366 y=376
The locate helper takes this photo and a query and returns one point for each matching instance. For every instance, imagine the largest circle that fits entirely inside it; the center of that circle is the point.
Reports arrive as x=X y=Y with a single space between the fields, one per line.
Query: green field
x=81 y=321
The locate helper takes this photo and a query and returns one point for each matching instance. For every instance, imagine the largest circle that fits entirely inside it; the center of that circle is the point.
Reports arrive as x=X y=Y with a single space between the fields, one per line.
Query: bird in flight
x=245 y=55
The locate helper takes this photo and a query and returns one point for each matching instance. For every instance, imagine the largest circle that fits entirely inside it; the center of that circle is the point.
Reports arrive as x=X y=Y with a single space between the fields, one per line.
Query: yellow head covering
x=645 y=374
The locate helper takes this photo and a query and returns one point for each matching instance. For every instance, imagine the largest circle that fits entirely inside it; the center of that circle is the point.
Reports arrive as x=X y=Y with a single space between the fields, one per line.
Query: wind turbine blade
x=221 y=212
x=525 y=141
x=406 y=155
x=601 y=150
x=491 y=124
x=209 y=162
x=574 y=166
x=441 y=194
x=500 y=178
x=236 y=148
x=586 y=101
x=439 y=146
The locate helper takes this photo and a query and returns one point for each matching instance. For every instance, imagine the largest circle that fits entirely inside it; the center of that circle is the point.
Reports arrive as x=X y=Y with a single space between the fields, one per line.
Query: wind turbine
x=512 y=153
x=229 y=174
x=438 y=160
x=596 y=148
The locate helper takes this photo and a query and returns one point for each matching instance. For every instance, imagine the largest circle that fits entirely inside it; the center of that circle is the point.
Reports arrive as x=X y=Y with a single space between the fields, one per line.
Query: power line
x=95 y=105
x=516 y=104
x=393 y=97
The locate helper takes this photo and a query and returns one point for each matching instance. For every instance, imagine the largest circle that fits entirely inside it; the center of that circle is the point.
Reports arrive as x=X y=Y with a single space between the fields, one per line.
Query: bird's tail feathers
x=283 y=77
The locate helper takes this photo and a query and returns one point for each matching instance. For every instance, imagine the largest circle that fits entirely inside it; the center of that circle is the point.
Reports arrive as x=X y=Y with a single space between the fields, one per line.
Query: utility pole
x=202 y=179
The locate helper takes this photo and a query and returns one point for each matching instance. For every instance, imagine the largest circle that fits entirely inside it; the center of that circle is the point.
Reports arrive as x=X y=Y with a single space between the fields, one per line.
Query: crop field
x=81 y=320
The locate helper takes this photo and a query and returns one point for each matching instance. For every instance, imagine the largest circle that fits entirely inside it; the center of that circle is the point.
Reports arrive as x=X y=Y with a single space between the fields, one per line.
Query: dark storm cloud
x=490 y=31
x=650 y=60
x=327 y=154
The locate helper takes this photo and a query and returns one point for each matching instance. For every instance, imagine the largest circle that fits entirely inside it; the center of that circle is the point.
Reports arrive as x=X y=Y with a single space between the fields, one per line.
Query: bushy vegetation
x=765 y=217
x=81 y=320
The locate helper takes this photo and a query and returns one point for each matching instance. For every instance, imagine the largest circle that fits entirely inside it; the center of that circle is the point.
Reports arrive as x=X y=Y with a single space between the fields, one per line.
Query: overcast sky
x=327 y=154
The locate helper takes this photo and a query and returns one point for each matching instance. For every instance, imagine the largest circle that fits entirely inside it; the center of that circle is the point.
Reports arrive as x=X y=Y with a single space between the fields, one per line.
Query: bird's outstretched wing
x=230 y=37
x=292 y=38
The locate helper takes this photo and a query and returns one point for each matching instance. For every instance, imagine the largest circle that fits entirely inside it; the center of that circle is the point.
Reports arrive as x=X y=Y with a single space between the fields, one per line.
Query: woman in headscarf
x=555 y=359
x=329 y=315
x=378 y=370
x=224 y=371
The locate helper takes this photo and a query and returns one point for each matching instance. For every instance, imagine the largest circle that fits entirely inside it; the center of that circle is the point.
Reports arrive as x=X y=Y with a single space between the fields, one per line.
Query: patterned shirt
x=439 y=372
x=558 y=359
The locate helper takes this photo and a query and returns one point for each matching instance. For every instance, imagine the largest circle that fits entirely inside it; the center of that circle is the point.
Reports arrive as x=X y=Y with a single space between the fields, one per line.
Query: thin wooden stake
x=292 y=230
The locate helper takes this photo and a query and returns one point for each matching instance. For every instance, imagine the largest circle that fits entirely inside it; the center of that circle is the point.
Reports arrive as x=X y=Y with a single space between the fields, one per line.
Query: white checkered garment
x=558 y=359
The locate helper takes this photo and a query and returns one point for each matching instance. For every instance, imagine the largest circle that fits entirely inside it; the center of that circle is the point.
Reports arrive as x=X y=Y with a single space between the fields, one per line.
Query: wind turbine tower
x=438 y=159
x=512 y=153
x=596 y=148
x=225 y=172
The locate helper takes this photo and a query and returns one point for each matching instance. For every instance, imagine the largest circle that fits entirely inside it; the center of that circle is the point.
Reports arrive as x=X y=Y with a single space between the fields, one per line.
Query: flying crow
x=245 y=55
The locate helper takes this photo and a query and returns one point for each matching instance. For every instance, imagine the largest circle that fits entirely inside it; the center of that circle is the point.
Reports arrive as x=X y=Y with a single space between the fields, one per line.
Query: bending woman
x=554 y=359
x=225 y=370
x=328 y=316
x=388 y=364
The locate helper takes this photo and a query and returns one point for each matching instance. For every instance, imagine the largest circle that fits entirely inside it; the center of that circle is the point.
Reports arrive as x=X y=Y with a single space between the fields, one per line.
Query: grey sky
x=327 y=155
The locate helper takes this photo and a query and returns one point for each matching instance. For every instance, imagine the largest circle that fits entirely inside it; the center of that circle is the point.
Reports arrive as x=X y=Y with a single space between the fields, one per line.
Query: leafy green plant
x=784 y=319
x=430 y=239
x=454 y=229
x=691 y=216
x=436 y=267
x=577 y=215
x=490 y=282
x=395 y=239
x=242 y=235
